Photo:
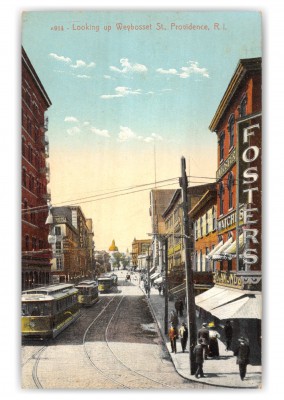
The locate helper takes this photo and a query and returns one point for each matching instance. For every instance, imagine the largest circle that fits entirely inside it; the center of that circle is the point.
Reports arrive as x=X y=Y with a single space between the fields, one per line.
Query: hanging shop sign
x=228 y=222
x=226 y=165
x=249 y=173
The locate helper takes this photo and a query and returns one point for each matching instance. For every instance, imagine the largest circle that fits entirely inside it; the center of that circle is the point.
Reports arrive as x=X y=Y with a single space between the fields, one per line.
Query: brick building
x=35 y=177
x=139 y=247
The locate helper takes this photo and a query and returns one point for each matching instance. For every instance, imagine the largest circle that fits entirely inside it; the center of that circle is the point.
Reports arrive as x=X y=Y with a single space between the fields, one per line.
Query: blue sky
x=119 y=97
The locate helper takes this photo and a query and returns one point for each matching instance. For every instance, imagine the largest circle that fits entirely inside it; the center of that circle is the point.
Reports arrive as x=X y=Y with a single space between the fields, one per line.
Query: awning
x=231 y=250
x=152 y=269
x=159 y=280
x=215 y=249
x=219 y=253
x=155 y=275
x=217 y=297
x=248 y=307
x=225 y=303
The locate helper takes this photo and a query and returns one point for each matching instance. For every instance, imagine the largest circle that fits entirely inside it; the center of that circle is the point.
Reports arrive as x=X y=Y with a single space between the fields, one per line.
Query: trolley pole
x=190 y=299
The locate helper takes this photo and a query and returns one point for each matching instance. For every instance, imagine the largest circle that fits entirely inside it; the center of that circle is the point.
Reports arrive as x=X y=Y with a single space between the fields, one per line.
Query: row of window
x=202 y=263
x=242 y=109
x=208 y=221
x=31 y=155
x=32 y=184
x=30 y=103
x=33 y=243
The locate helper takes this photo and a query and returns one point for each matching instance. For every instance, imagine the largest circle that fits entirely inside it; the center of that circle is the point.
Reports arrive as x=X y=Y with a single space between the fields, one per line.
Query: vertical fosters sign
x=249 y=178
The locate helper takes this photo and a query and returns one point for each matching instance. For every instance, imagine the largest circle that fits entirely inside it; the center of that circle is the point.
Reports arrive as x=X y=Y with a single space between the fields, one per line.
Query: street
x=115 y=344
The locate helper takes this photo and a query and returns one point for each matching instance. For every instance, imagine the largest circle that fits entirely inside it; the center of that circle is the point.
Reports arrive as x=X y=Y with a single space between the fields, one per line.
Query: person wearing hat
x=213 y=348
x=228 y=329
x=198 y=352
x=173 y=335
x=183 y=332
x=203 y=334
x=242 y=353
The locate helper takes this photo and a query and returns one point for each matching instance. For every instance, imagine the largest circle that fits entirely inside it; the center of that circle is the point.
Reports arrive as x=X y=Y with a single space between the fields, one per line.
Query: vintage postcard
x=141 y=185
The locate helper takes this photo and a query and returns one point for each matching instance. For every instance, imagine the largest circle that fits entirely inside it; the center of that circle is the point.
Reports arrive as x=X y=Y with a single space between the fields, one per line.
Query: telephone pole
x=190 y=299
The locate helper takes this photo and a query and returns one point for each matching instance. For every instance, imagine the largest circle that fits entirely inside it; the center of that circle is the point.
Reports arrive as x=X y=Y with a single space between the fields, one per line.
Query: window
x=231 y=128
x=230 y=188
x=196 y=229
x=201 y=259
x=34 y=243
x=58 y=247
x=243 y=106
x=206 y=222
x=23 y=147
x=221 y=199
x=24 y=178
x=221 y=146
x=57 y=230
x=214 y=221
x=27 y=242
x=207 y=261
x=201 y=226
x=59 y=264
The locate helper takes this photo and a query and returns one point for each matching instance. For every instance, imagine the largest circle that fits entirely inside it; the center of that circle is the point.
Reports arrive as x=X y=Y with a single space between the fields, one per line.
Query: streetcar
x=88 y=292
x=107 y=283
x=47 y=311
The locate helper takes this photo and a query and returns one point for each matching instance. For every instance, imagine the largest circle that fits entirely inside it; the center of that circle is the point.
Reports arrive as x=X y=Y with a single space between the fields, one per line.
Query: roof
x=210 y=194
x=244 y=67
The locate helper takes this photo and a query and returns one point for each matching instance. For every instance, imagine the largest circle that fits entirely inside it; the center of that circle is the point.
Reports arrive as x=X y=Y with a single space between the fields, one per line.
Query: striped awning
x=248 y=307
x=215 y=249
x=231 y=250
x=220 y=252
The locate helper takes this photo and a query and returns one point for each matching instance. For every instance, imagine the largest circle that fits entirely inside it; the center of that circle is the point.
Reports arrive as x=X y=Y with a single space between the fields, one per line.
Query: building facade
x=36 y=253
x=236 y=295
x=72 y=245
x=140 y=247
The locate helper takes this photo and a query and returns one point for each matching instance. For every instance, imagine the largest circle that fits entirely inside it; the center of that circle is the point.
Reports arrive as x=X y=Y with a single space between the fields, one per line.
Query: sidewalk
x=222 y=372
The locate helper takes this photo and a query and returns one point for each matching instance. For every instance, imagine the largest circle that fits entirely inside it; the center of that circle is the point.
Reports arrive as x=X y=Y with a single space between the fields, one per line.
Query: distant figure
x=203 y=334
x=173 y=335
x=199 y=358
x=242 y=353
x=213 y=349
x=159 y=289
x=177 y=306
x=174 y=318
x=180 y=307
x=228 y=329
x=183 y=333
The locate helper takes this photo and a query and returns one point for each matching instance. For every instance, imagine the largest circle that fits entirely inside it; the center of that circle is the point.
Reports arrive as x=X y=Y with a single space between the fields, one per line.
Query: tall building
x=236 y=295
x=71 y=236
x=36 y=252
x=140 y=247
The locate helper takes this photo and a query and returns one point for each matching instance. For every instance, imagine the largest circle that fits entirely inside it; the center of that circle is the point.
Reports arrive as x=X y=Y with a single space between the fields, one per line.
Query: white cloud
x=108 y=77
x=121 y=91
x=170 y=71
x=128 y=67
x=83 y=64
x=71 y=119
x=83 y=76
x=60 y=58
x=153 y=137
x=192 y=68
x=73 y=131
x=125 y=134
x=100 y=132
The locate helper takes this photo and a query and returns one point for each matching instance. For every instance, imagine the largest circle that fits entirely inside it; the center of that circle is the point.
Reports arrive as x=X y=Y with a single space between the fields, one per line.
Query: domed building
x=113 y=247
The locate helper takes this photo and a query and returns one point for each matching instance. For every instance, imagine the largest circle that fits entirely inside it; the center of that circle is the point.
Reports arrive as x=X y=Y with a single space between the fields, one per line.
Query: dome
x=113 y=247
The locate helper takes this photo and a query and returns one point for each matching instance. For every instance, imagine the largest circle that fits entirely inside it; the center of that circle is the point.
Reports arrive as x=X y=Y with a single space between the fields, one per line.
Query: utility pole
x=148 y=272
x=190 y=299
x=166 y=286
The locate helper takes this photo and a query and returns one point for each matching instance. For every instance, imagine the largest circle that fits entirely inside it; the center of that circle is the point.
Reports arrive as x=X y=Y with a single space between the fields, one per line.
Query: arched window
x=221 y=198
x=23 y=147
x=24 y=178
x=231 y=128
x=221 y=146
x=243 y=106
x=27 y=242
x=230 y=189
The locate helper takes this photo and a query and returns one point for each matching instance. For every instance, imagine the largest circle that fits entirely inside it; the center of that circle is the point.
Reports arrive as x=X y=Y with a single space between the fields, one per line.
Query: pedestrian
x=159 y=289
x=177 y=306
x=183 y=333
x=203 y=334
x=173 y=335
x=242 y=353
x=228 y=329
x=181 y=307
x=174 y=318
x=198 y=352
x=213 y=347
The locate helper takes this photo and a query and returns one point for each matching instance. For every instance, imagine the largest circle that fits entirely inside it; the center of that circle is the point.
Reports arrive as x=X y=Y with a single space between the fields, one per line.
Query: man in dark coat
x=203 y=334
x=228 y=329
x=242 y=353
x=183 y=333
x=199 y=358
